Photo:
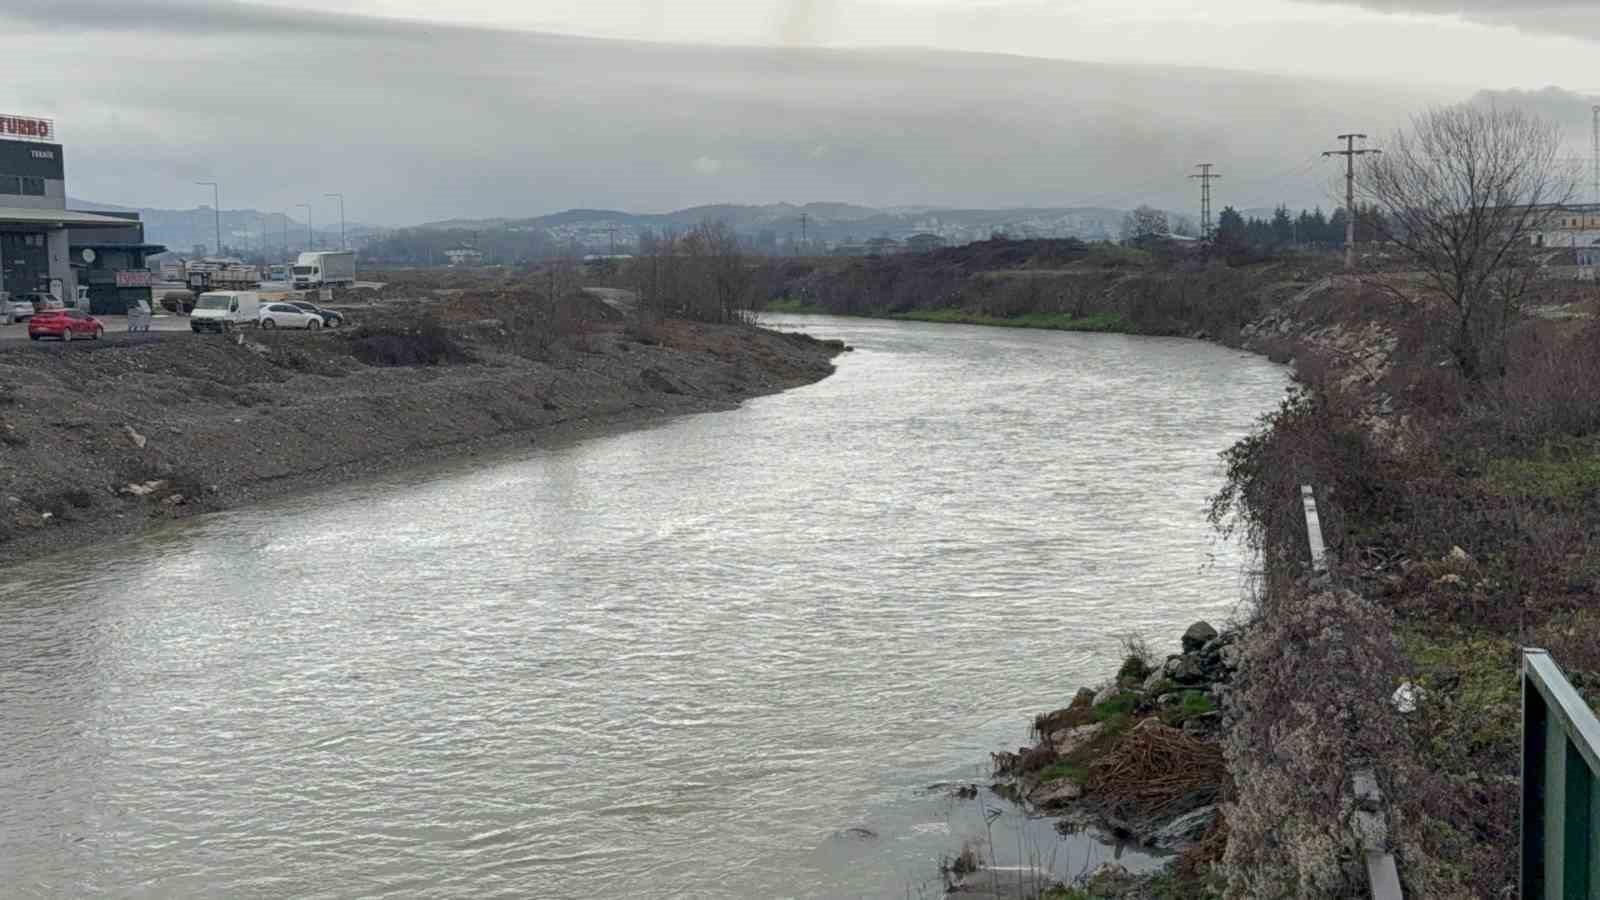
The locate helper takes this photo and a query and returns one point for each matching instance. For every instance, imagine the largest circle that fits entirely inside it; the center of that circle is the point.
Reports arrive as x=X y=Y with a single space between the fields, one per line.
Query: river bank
x=100 y=440
x=1456 y=514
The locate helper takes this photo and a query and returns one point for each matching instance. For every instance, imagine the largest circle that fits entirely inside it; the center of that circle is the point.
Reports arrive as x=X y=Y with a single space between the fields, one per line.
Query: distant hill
x=244 y=231
x=780 y=224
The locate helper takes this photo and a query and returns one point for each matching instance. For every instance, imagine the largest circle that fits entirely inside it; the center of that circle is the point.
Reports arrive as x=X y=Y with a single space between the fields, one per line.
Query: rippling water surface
x=681 y=661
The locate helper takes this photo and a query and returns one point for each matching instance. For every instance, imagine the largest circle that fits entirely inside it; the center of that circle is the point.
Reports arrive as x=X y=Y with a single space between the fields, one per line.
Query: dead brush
x=1156 y=770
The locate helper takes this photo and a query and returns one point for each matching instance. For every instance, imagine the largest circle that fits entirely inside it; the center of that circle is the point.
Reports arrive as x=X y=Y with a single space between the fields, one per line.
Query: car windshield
x=212 y=301
x=302 y=270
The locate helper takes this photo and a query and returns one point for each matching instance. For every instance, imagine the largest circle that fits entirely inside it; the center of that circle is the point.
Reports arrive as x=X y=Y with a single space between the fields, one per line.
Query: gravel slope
x=100 y=439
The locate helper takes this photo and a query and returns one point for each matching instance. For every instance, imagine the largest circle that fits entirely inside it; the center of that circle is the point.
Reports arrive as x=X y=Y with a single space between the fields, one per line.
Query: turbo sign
x=27 y=127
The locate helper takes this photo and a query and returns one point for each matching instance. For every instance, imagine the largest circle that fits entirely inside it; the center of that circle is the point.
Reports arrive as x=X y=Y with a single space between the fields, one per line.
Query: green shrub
x=1134 y=668
x=1122 y=704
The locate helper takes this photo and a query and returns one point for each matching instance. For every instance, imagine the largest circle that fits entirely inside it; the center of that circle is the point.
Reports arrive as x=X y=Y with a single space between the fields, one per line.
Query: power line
x=1350 y=153
x=1206 y=176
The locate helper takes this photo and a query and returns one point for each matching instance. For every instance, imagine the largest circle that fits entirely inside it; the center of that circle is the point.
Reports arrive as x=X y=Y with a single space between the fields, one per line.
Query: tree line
x=1310 y=229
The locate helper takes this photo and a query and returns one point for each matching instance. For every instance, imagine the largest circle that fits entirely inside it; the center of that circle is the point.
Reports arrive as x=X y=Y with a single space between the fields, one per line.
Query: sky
x=501 y=108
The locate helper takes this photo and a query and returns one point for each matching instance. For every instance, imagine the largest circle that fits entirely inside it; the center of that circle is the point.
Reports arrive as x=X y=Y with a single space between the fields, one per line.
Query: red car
x=65 y=324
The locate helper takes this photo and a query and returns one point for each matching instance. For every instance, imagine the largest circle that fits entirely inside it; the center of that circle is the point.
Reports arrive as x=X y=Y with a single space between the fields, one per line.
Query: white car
x=14 y=309
x=283 y=315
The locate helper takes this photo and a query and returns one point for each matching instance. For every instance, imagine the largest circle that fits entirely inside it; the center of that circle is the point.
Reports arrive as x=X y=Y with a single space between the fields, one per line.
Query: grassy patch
x=1544 y=478
x=1102 y=322
x=1472 y=685
x=1121 y=705
x=1057 y=771
x=1196 y=703
x=1190 y=704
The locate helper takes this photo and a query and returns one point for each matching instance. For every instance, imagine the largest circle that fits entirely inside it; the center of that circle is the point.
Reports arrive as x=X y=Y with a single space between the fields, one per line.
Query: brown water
x=680 y=661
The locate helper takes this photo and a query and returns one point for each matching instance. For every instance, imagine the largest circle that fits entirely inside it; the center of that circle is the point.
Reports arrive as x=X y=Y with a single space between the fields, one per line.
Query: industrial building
x=37 y=231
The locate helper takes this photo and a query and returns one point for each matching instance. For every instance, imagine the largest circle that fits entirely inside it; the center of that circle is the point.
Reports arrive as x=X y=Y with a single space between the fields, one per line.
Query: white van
x=224 y=311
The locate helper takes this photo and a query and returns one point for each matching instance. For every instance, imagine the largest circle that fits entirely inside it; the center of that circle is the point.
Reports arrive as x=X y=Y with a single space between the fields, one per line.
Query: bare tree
x=1143 y=224
x=1462 y=195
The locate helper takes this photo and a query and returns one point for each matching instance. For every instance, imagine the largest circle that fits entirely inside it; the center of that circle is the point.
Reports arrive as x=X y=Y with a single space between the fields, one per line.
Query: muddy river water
x=731 y=655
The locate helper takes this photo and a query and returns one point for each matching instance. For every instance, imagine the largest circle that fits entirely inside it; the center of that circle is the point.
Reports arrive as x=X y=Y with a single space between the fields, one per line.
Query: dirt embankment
x=1459 y=517
x=100 y=439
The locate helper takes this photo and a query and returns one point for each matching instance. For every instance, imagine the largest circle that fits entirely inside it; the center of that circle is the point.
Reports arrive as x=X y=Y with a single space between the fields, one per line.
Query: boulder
x=1183 y=830
x=1185 y=670
x=1197 y=636
x=1055 y=793
x=1071 y=739
x=1154 y=681
x=135 y=439
x=1106 y=693
x=1083 y=699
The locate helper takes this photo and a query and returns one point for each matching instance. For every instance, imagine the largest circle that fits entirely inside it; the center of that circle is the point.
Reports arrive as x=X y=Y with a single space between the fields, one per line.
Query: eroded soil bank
x=99 y=439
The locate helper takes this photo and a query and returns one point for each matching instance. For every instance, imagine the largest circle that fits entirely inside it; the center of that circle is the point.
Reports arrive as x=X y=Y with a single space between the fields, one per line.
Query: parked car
x=329 y=317
x=39 y=301
x=14 y=309
x=287 y=315
x=65 y=324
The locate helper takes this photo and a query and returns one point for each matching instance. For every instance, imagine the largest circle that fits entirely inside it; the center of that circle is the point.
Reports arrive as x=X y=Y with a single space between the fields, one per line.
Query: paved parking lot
x=115 y=325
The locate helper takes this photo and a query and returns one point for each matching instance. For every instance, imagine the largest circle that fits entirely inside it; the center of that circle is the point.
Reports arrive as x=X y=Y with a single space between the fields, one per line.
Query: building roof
x=150 y=249
x=59 y=218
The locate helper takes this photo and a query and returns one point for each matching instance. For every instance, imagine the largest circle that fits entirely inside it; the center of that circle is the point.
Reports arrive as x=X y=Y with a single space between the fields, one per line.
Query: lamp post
x=216 y=211
x=341 y=218
x=310 y=241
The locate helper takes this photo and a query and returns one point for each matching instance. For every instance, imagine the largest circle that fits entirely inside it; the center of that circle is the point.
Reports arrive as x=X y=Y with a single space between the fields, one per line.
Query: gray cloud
x=201 y=17
x=1571 y=18
x=417 y=122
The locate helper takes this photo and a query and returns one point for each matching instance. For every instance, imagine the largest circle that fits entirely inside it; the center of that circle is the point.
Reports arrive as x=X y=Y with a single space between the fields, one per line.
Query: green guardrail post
x=1560 y=786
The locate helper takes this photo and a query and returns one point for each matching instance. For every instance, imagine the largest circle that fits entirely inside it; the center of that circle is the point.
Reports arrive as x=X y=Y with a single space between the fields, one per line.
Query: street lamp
x=341 y=218
x=216 y=211
x=310 y=240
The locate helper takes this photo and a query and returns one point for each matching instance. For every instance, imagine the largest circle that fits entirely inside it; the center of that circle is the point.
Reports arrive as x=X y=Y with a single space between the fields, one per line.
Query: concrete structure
x=35 y=248
x=464 y=256
x=1575 y=227
x=111 y=263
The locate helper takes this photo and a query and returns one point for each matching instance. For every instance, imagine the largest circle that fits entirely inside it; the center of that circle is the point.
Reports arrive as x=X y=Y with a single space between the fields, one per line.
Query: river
x=683 y=660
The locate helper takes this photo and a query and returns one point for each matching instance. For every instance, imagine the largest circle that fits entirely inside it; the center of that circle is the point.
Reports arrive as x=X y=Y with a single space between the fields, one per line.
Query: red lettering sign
x=27 y=127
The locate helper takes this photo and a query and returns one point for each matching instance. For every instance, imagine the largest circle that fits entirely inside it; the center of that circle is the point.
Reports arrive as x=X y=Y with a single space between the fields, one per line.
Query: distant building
x=111 y=263
x=924 y=243
x=883 y=246
x=1569 y=227
x=35 y=250
x=464 y=256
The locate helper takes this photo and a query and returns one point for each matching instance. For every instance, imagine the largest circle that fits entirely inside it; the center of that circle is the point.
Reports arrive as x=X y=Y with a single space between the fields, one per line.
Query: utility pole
x=1597 y=155
x=803 y=241
x=1206 y=176
x=341 y=219
x=216 y=212
x=611 y=231
x=1350 y=153
x=310 y=239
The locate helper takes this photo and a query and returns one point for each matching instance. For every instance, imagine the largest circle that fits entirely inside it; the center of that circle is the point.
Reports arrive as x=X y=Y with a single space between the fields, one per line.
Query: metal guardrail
x=1370 y=821
x=1319 y=552
x=1560 y=785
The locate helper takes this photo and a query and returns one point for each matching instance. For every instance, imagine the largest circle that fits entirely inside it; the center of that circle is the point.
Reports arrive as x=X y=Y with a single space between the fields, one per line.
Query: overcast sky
x=519 y=108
